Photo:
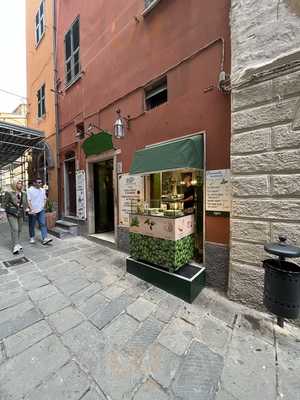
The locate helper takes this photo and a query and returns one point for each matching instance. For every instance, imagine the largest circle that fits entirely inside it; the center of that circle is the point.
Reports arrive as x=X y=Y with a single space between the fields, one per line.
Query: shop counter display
x=166 y=241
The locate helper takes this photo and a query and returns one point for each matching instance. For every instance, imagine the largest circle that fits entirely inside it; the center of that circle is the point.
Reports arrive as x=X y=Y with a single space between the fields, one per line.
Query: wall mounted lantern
x=121 y=125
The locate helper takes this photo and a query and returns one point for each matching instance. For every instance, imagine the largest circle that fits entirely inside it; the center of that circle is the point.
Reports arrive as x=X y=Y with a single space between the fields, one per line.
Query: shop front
x=166 y=217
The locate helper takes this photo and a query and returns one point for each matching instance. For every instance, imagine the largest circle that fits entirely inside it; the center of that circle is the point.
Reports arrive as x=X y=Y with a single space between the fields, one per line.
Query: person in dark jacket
x=189 y=195
x=15 y=204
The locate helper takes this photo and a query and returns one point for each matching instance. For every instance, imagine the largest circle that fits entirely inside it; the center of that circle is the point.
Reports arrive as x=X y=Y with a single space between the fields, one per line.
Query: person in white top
x=36 y=197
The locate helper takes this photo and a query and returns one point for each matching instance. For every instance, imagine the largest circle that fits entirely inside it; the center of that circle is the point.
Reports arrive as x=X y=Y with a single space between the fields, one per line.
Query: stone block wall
x=265 y=163
x=123 y=239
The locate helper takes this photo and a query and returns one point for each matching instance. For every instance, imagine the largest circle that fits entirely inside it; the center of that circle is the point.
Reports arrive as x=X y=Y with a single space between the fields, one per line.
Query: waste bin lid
x=282 y=249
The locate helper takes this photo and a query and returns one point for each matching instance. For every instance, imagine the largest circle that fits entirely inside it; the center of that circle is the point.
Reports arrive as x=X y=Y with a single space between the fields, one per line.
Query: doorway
x=104 y=197
x=70 y=189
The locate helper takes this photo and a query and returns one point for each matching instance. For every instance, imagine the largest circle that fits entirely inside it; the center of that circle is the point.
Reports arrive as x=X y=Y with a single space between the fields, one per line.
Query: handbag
x=15 y=211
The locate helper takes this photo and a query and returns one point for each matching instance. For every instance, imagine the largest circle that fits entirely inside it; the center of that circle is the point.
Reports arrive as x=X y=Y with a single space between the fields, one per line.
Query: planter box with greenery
x=50 y=215
x=169 y=254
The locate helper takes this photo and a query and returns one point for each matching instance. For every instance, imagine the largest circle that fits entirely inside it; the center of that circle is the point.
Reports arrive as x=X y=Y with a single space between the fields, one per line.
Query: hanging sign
x=81 y=194
x=131 y=190
x=218 y=191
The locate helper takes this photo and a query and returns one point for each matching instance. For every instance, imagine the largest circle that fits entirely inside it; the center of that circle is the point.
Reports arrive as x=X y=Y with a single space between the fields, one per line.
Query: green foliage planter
x=166 y=253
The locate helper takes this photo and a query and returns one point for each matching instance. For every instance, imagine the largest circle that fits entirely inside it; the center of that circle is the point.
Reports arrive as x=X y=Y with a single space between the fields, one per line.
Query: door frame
x=90 y=161
x=66 y=188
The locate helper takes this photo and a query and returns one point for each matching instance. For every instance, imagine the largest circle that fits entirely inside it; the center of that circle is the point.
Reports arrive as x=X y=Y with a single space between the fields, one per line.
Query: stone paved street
x=75 y=326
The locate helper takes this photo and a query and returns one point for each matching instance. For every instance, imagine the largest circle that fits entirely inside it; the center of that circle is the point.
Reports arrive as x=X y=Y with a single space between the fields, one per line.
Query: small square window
x=39 y=23
x=156 y=94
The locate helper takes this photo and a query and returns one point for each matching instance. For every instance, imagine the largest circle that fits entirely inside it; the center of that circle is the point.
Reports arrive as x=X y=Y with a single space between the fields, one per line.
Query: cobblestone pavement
x=75 y=326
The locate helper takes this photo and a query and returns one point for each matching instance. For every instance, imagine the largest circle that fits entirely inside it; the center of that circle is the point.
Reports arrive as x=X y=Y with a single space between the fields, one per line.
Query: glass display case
x=161 y=230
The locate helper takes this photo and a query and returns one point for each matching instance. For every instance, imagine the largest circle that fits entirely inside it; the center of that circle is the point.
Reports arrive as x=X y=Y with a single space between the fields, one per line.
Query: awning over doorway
x=15 y=140
x=185 y=153
x=97 y=144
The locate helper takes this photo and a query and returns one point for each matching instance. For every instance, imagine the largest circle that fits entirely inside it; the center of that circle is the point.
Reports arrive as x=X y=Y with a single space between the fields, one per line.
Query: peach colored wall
x=40 y=70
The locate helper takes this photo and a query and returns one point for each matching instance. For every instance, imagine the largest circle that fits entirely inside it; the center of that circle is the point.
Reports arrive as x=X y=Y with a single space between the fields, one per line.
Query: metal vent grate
x=15 y=261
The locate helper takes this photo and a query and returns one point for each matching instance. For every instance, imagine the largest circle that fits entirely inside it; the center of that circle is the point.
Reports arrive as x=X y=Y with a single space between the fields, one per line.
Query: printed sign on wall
x=80 y=194
x=218 y=190
x=131 y=189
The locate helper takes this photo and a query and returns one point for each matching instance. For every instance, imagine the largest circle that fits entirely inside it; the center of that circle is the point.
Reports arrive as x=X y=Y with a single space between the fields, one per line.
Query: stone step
x=68 y=226
x=103 y=242
x=60 y=232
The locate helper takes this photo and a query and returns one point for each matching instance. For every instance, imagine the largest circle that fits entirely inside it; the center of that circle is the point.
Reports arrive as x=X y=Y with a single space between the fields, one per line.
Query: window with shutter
x=40 y=23
x=72 y=52
x=41 y=101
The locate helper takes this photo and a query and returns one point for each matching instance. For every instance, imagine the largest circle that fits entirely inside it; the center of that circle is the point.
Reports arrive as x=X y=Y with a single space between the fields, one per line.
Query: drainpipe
x=57 y=133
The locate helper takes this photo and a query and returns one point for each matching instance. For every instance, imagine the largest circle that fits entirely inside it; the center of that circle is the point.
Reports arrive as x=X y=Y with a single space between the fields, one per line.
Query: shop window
x=41 y=102
x=72 y=53
x=40 y=22
x=156 y=94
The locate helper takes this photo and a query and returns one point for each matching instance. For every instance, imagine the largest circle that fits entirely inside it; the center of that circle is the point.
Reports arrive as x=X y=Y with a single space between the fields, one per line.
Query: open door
x=104 y=196
x=70 y=173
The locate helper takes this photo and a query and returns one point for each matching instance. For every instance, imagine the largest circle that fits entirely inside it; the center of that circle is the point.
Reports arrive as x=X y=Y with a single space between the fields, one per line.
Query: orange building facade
x=41 y=113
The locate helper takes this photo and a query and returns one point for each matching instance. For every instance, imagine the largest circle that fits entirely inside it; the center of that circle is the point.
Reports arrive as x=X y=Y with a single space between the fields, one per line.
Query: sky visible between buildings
x=12 y=53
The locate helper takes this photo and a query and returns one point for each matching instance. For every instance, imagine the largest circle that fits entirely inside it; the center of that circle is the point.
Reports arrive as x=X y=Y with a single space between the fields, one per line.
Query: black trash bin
x=282 y=281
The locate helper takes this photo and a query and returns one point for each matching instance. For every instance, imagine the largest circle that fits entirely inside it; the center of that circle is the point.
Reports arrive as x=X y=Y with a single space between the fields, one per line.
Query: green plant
x=49 y=206
x=135 y=222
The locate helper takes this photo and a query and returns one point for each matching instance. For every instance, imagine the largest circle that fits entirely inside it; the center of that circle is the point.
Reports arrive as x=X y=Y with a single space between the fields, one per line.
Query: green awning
x=185 y=153
x=97 y=144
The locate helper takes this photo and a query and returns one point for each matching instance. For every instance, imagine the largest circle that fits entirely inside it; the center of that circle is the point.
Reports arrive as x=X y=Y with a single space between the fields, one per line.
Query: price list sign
x=131 y=189
x=218 y=191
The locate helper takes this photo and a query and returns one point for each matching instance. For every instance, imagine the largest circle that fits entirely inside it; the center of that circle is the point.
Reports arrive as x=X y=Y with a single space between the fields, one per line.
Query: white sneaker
x=32 y=240
x=46 y=241
x=16 y=250
x=19 y=247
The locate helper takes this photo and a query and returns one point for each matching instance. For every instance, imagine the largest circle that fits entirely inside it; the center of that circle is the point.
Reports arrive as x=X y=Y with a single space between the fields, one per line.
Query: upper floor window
x=41 y=101
x=156 y=94
x=72 y=52
x=40 y=22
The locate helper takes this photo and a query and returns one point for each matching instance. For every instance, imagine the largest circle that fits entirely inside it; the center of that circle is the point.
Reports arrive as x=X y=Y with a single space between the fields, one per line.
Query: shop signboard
x=218 y=191
x=131 y=190
x=80 y=194
x=162 y=228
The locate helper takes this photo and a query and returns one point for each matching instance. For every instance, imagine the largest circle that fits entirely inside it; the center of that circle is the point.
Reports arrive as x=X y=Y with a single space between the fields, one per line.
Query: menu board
x=218 y=190
x=131 y=189
x=80 y=194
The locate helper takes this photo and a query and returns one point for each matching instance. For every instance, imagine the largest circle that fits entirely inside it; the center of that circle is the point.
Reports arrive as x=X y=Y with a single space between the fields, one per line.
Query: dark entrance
x=71 y=184
x=104 y=196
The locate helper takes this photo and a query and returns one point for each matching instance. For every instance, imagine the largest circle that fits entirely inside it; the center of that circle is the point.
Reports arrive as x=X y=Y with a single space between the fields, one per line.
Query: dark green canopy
x=185 y=153
x=97 y=144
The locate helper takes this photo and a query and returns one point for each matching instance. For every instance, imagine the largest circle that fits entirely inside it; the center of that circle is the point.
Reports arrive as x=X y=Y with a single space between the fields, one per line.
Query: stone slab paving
x=74 y=325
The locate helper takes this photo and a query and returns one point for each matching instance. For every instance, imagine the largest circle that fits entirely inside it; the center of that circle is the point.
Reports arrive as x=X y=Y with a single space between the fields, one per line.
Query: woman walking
x=15 y=202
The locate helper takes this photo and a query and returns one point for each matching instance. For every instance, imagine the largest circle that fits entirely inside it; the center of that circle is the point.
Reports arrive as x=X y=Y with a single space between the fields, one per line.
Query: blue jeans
x=41 y=218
